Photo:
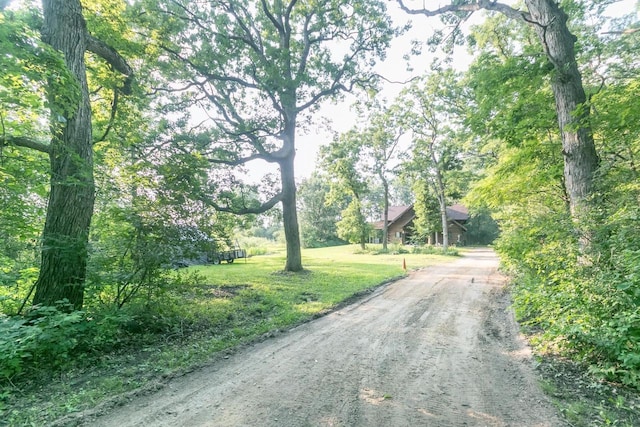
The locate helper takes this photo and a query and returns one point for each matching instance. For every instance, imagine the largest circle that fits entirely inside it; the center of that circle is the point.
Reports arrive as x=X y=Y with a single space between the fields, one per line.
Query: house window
x=398 y=234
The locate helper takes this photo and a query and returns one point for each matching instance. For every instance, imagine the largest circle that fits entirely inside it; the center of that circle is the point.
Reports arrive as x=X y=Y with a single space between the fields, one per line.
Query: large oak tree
x=71 y=198
x=258 y=70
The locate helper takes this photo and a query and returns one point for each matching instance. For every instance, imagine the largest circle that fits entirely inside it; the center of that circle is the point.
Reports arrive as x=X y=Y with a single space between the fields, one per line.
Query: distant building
x=401 y=228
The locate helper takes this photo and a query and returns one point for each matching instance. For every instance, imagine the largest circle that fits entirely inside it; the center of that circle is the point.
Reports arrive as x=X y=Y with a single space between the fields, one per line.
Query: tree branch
x=206 y=74
x=334 y=89
x=279 y=26
x=114 y=59
x=626 y=31
x=471 y=7
x=112 y=117
x=243 y=160
x=23 y=141
x=247 y=210
x=304 y=57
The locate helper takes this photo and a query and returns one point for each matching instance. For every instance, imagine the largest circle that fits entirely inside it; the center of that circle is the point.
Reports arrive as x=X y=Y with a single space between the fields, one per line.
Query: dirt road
x=439 y=348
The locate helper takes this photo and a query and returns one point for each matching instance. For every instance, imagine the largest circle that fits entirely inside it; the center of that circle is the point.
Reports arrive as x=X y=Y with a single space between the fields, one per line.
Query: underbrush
x=584 y=307
x=583 y=399
x=52 y=338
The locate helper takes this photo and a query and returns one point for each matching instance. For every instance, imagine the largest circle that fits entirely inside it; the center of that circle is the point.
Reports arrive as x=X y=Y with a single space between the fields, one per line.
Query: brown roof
x=458 y=212
x=455 y=212
x=396 y=212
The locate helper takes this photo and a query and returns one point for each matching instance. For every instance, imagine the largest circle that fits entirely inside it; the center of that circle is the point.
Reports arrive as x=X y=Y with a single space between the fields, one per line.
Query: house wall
x=396 y=233
x=399 y=230
x=456 y=236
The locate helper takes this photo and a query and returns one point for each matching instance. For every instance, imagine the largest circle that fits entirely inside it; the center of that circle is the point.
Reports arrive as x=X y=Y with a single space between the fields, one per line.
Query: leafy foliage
x=581 y=305
x=353 y=226
x=349 y=184
x=432 y=109
x=53 y=337
x=317 y=217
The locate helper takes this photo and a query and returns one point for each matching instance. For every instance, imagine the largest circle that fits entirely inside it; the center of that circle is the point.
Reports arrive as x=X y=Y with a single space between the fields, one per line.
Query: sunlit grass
x=330 y=276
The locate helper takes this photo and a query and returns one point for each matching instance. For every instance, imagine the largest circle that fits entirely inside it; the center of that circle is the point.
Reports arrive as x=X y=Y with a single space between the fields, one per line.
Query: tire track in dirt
x=438 y=348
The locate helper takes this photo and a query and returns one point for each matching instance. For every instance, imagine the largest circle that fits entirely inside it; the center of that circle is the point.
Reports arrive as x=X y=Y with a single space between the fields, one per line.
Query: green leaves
x=317 y=217
x=29 y=66
x=264 y=65
x=353 y=226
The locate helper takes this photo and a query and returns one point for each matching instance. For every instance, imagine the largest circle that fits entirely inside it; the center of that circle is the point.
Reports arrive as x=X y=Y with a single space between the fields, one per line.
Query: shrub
x=51 y=337
x=46 y=337
x=584 y=310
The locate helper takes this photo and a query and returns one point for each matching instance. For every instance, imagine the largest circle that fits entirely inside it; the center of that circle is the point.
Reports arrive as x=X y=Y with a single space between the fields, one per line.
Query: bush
x=45 y=339
x=258 y=245
x=16 y=344
x=434 y=250
x=50 y=337
x=581 y=306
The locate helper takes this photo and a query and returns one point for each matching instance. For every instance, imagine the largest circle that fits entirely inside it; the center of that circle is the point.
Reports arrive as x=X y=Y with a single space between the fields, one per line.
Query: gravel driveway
x=438 y=348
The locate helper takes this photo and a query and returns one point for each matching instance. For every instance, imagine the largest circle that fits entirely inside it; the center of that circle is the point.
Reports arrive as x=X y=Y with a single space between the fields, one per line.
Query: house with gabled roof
x=401 y=229
x=400 y=225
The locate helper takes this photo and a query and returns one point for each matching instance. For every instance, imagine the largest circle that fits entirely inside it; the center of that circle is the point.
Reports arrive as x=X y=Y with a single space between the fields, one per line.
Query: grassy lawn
x=226 y=306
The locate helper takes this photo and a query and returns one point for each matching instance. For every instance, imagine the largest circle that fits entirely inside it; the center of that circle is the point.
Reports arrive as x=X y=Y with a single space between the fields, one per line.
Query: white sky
x=394 y=68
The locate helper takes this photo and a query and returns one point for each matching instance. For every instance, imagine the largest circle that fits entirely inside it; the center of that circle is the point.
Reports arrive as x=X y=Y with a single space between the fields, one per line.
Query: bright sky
x=394 y=68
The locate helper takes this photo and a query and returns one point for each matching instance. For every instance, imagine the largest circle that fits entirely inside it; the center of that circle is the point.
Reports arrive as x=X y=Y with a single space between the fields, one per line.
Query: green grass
x=230 y=304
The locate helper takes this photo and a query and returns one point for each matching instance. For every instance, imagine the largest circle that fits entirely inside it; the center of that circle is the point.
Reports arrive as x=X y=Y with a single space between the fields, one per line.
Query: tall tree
x=550 y=23
x=70 y=150
x=382 y=139
x=341 y=159
x=259 y=70
x=431 y=109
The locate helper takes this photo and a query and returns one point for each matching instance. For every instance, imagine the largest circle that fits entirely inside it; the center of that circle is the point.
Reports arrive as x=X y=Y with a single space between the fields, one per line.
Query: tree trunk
x=363 y=226
x=71 y=198
x=442 y=198
x=290 y=214
x=578 y=147
x=385 y=225
x=445 y=226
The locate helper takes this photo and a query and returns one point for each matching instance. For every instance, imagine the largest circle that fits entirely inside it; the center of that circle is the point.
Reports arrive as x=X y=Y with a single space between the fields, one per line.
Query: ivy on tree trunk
x=72 y=194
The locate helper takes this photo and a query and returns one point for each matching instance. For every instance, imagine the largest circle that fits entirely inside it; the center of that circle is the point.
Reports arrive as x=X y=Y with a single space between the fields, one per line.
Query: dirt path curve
x=438 y=348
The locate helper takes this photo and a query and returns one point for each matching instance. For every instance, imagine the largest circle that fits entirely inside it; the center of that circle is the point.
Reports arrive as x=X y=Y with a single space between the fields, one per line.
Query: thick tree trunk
x=290 y=214
x=580 y=157
x=65 y=235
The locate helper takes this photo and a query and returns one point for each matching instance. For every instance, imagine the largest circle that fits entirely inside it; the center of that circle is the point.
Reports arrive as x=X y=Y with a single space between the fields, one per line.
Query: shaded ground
x=439 y=348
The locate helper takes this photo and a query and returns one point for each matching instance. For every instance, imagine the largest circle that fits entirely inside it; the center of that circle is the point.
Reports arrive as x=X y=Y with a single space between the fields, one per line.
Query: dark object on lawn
x=216 y=257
